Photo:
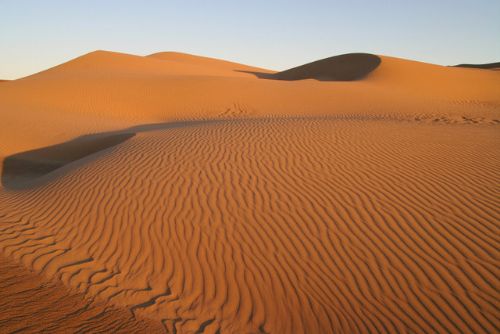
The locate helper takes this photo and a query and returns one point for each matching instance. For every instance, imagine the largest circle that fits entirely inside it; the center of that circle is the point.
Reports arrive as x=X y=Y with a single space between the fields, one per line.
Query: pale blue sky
x=38 y=34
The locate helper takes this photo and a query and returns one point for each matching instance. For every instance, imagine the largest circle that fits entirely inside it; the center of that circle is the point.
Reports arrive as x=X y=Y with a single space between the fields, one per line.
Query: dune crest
x=122 y=90
x=22 y=169
x=201 y=61
x=347 y=67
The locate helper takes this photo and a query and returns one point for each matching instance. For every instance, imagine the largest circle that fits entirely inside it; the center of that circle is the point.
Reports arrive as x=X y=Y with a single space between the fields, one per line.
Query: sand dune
x=489 y=66
x=346 y=67
x=23 y=168
x=105 y=91
x=185 y=194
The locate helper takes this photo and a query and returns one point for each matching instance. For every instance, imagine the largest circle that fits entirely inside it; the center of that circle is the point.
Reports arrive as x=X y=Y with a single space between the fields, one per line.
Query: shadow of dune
x=347 y=67
x=26 y=169
x=22 y=168
x=490 y=66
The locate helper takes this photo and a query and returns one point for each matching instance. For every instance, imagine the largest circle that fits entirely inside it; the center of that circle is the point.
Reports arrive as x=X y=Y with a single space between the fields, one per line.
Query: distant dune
x=348 y=67
x=490 y=66
x=121 y=90
x=184 y=194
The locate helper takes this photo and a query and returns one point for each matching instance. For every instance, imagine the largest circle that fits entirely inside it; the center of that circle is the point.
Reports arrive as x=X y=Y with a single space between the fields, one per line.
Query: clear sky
x=276 y=34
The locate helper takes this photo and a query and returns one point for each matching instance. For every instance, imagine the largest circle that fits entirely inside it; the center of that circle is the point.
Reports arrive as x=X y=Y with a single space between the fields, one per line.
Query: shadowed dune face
x=347 y=67
x=22 y=169
x=489 y=66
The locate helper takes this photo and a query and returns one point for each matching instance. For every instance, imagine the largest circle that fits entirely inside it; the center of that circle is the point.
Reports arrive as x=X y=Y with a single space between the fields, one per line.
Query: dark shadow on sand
x=32 y=168
x=489 y=66
x=347 y=67
x=20 y=169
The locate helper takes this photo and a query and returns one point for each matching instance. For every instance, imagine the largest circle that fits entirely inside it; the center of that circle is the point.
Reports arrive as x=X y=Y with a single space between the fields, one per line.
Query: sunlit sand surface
x=183 y=194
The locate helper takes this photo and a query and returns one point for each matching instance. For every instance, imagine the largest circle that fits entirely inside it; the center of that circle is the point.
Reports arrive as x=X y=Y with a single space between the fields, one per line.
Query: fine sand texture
x=32 y=304
x=183 y=194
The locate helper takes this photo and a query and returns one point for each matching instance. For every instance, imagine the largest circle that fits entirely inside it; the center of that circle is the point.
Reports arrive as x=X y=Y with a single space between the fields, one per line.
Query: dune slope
x=346 y=67
x=24 y=168
x=104 y=91
x=31 y=304
x=246 y=205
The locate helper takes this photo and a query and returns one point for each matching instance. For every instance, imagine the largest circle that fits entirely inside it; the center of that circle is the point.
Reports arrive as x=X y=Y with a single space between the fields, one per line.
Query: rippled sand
x=206 y=198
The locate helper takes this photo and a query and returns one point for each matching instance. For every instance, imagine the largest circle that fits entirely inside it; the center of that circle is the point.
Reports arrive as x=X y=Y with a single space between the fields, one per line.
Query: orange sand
x=31 y=304
x=250 y=205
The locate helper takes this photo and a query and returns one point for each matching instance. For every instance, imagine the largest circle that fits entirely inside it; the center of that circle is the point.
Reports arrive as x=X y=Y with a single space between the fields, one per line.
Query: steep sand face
x=304 y=207
x=348 y=67
x=22 y=169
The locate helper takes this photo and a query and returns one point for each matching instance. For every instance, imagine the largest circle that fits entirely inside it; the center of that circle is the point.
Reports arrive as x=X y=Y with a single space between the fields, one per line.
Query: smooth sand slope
x=348 y=67
x=192 y=195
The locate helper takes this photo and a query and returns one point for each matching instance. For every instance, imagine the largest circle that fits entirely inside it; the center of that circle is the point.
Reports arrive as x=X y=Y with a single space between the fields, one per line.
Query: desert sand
x=183 y=194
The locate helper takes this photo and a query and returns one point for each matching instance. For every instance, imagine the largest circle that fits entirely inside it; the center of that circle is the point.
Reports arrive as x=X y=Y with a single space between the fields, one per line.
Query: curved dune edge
x=33 y=168
x=102 y=91
x=203 y=62
x=488 y=66
x=49 y=306
x=346 y=67
x=24 y=169
x=277 y=226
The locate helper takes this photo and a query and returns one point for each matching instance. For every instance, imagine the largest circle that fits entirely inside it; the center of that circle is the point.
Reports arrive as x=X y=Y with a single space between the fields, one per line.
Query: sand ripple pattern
x=278 y=226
